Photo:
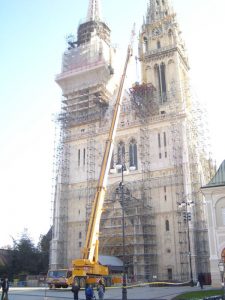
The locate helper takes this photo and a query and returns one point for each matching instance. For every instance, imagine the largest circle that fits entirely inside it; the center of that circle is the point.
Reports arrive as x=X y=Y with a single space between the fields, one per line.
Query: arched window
x=158 y=45
x=167 y=225
x=133 y=154
x=163 y=81
x=145 y=44
x=121 y=153
x=160 y=73
x=112 y=161
x=170 y=34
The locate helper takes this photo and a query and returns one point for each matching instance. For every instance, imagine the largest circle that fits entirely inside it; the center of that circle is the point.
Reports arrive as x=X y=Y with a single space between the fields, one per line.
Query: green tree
x=25 y=256
x=44 y=251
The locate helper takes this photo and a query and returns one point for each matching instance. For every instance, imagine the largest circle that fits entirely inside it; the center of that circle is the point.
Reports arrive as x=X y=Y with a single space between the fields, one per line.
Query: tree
x=25 y=255
x=25 y=258
x=44 y=250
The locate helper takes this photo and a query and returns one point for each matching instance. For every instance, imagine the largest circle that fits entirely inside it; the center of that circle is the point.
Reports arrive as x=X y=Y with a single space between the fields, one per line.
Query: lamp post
x=221 y=266
x=123 y=168
x=187 y=218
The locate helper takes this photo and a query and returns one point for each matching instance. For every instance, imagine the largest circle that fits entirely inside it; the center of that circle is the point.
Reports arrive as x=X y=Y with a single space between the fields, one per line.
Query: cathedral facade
x=158 y=141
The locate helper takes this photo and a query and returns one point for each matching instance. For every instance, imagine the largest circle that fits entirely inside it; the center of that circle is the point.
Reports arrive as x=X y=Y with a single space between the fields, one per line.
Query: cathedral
x=159 y=142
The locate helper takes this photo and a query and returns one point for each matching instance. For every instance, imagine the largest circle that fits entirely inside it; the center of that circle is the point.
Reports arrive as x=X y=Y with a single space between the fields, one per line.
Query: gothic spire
x=158 y=9
x=94 y=13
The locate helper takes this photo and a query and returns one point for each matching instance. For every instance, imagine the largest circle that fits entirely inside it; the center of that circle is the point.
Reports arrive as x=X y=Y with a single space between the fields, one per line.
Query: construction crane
x=88 y=266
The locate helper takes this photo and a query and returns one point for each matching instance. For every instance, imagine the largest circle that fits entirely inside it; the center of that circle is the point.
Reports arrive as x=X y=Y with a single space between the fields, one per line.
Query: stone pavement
x=135 y=293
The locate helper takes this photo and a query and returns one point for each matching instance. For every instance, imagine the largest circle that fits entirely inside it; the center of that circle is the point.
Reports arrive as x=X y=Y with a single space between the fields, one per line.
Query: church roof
x=219 y=177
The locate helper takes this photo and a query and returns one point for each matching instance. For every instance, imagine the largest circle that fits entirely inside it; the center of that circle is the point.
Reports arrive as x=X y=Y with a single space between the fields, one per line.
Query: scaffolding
x=140 y=256
x=84 y=120
x=60 y=196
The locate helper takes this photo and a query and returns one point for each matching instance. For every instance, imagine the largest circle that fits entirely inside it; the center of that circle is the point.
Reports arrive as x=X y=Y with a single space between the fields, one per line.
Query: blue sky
x=32 y=36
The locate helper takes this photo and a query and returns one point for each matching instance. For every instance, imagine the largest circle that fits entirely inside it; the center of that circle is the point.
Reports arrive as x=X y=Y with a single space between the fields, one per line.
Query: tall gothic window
x=160 y=71
x=145 y=44
x=78 y=160
x=167 y=225
x=133 y=153
x=170 y=34
x=121 y=152
x=112 y=161
x=158 y=45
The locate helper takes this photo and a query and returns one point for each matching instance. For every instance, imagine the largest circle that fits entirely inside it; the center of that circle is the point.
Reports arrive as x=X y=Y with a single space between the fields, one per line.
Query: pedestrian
x=5 y=288
x=101 y=289
x=89 y=292
x=201 y=280
x=75 y=289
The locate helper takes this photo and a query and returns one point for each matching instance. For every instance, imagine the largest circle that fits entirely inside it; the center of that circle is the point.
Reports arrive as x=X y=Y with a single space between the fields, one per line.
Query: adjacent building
x=160 y=139
x=214 y=193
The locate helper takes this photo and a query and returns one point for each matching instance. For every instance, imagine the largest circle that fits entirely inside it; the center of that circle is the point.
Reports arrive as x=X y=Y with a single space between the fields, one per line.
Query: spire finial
x=94 y=13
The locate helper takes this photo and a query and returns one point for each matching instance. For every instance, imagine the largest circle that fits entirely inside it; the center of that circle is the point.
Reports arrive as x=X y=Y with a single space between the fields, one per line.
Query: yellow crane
x=88 y=266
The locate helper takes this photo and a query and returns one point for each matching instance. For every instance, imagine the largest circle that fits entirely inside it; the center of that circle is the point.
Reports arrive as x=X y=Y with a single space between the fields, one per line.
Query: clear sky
x=32 y=37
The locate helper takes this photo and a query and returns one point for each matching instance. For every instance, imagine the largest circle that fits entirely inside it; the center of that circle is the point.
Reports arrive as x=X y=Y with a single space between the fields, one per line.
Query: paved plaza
x=138 y=293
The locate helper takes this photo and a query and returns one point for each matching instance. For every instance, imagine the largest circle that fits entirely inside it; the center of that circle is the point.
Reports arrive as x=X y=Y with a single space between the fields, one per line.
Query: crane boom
x=93 y=228
x=89 y=263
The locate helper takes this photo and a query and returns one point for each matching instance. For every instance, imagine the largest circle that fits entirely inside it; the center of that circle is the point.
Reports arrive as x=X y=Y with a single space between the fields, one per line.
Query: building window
x=84 y=156
x=80 y=244
x=163 y=82
x=112 y=161
x=170 y=274
x=160 y=73
x=145 y=44
x=160 y=155
x=167 y=225
x=164 y=139
x=223 y=216
x=164 y=189
x=159 y=140
x=133 y=153
x=158 y=45
x=80 y=235
x=121 y=152
x=170 y=34
x=78 y=157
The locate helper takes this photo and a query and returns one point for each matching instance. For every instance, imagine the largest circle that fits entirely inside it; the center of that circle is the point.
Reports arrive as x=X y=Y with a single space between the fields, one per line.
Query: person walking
x=89 y=293
x=201 y=280
x=101 y=290
x=75 y=289
x=5 y=288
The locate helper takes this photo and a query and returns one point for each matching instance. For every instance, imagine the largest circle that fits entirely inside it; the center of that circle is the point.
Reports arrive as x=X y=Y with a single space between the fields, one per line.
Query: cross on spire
x=94 y=13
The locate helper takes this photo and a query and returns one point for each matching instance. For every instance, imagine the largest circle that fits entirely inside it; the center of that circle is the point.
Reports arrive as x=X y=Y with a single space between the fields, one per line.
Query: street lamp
x=123 y=169
x=187 y=218
x=221 y=266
